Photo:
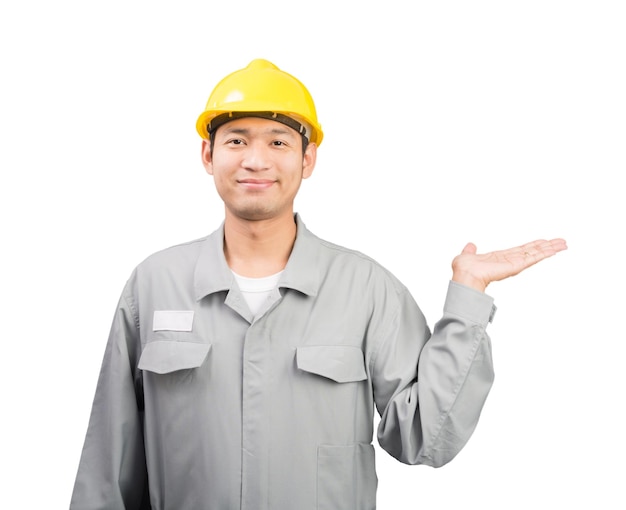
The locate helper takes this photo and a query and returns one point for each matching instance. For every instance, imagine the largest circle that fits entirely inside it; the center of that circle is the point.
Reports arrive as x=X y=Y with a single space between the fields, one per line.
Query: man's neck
x=258 y=248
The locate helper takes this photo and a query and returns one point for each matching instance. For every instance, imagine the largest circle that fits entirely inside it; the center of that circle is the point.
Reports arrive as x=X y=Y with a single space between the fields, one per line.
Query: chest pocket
x=166 y=356
x=340 y=363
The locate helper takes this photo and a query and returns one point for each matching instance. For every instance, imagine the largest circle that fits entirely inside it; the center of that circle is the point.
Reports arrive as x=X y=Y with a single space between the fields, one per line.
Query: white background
x=495 y=122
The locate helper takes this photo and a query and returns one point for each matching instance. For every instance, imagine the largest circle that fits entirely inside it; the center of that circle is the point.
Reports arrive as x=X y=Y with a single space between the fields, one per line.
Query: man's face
x=258 y=165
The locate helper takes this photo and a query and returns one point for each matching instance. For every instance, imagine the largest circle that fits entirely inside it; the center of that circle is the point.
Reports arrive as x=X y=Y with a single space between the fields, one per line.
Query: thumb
x=470 y=249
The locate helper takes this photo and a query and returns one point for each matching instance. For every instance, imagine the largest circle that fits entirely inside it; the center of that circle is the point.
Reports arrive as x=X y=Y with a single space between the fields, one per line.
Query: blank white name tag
x=172 y=320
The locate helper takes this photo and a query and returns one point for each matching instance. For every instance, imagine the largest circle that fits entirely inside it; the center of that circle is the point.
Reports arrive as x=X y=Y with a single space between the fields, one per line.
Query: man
x=243 y=369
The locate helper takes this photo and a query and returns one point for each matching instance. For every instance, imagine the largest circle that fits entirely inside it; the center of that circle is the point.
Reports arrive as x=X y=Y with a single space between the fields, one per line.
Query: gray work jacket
x=201 y=406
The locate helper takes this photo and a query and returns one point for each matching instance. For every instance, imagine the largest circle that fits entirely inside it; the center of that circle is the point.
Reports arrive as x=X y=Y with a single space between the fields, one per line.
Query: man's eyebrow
x=246 y=131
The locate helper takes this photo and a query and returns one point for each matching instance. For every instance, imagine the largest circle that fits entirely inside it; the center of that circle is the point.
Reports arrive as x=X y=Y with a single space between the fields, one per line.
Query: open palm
x=478 y=270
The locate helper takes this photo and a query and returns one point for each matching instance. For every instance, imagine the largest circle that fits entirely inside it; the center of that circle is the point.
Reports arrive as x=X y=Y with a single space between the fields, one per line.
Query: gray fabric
x=276 y=413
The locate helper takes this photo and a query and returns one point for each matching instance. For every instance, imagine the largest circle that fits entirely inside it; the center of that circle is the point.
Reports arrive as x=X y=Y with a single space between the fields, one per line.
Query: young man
x=243 y=369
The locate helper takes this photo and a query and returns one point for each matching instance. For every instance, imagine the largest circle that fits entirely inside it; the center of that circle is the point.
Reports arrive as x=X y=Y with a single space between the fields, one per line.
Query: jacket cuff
x=469 y=303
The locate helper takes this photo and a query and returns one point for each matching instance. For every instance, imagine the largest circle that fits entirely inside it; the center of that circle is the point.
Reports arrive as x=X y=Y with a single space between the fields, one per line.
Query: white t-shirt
x=256 y=290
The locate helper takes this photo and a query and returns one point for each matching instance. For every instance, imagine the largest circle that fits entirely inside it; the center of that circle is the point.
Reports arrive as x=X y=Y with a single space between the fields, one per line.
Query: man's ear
x=207 y=158
x=308 y=161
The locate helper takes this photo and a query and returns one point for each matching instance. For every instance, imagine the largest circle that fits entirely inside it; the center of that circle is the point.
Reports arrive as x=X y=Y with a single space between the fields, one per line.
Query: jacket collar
x=302 y=272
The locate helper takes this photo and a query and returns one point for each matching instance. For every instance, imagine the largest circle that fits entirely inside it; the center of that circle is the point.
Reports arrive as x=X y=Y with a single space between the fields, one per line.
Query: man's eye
x=278 y=143
x=235 y=141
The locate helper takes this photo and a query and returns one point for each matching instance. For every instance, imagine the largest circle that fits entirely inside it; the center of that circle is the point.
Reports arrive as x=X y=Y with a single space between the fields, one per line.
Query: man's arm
x=112 y=470
x=430 y=389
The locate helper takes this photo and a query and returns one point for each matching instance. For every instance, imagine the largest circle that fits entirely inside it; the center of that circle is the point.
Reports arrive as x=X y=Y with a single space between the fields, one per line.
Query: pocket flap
x=163 y=357
x=341 y=363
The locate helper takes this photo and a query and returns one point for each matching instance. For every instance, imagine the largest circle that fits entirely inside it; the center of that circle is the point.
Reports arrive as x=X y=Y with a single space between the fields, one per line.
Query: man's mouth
x=256 y=183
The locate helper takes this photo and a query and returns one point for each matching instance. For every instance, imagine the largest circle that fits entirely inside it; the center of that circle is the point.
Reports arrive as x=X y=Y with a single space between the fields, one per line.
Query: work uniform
x=202 y=406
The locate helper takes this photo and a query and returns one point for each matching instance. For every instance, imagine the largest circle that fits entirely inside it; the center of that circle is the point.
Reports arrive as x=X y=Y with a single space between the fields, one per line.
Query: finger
x=547 y=247
x=558 y=244
x=540 y=249
x=470 y=249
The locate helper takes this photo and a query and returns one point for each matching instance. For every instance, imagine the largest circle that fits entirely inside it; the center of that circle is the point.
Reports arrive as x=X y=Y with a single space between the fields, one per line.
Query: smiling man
x=243 y=369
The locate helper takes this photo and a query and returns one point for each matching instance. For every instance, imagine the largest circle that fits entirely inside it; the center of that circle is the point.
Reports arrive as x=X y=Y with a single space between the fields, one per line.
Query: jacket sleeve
x=112 y=469
x=430 y=390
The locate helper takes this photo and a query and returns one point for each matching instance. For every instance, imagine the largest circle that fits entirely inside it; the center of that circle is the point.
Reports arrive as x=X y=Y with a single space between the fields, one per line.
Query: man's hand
x=479 y=270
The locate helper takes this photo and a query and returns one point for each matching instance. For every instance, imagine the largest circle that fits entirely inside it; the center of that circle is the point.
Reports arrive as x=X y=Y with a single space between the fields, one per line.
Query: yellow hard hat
x=261 y=90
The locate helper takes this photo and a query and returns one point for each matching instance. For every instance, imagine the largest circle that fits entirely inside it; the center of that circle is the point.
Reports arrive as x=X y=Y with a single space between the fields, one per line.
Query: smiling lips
x=256 y=184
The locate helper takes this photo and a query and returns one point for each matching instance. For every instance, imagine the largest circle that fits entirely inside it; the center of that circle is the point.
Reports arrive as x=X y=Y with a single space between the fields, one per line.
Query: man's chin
x=254 y=213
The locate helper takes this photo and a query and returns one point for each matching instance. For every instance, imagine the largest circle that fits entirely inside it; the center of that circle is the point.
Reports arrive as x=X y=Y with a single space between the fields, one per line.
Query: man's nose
x=256 y=157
